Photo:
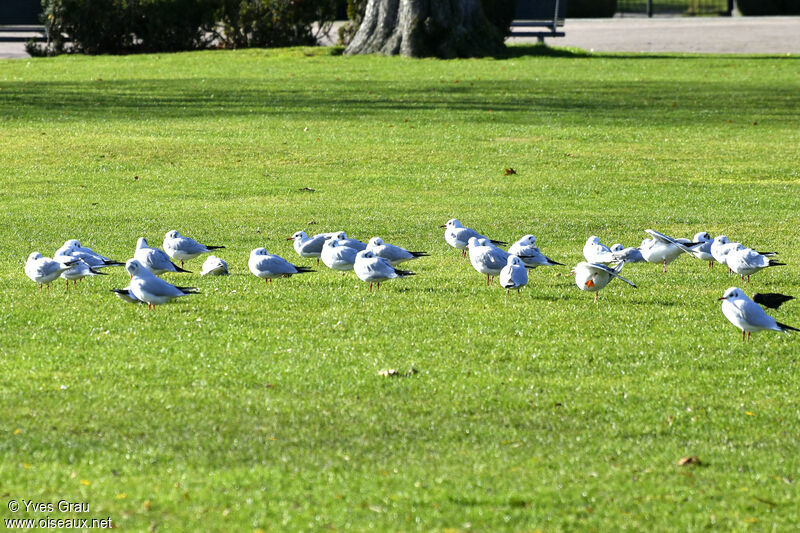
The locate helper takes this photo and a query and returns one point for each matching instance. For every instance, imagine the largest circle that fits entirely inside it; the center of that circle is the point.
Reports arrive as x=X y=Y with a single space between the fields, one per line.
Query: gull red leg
x=379 y=287
x=595 y=296
x=67 y=289
x=748 y=336
x=370 y=286
x=665 y=266
x=743 y=334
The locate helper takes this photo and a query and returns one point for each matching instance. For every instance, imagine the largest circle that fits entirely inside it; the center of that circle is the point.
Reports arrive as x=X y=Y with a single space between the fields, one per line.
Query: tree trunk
x=421 y=28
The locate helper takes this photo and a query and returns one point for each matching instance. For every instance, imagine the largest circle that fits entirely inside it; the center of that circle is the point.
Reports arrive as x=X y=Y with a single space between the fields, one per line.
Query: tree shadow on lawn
x=517 y=51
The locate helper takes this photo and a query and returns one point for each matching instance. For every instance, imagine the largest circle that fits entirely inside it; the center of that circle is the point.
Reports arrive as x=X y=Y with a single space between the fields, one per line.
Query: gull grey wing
x=611 y=271
x=668 y=240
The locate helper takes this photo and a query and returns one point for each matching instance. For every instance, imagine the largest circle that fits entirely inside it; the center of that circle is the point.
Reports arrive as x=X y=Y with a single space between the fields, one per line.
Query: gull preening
x=525 y=248
x=72 y=249
x=592 y=277
x=337 y=256
x=663 y=249
x=43 y=270
x=343 y=240
x=373 y=269
x=458 y=236
x=149 y=288
x=306 y=246
x=79 y=270
x=702 y=250
x=268 y=266
x=514 y=275
x=154 y=260
x=626 y=255
x=182 y=248
x=394 y=254
x=214 y=266
x=747 y=315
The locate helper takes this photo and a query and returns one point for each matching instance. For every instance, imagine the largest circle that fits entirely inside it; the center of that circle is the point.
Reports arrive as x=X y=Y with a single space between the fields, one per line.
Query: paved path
x=723 y=35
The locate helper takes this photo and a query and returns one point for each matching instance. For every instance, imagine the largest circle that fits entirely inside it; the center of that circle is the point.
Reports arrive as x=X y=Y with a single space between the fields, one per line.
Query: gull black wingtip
x=419 y=254
x=304 y=270
x=179 y=269
x=551 y=262
x=215 y=247
x=404 y=273
x=499 y=243
x=785 y=327
x=97 y=272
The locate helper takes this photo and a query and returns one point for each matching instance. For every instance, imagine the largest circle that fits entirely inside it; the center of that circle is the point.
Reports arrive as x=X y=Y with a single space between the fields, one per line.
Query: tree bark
x=423 y=28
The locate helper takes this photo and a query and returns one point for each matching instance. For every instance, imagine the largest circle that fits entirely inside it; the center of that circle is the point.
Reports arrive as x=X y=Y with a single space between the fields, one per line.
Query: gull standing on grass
x=663 y=249
x=155 y=260
x=595 y=252
x=486 y=259
x=150 y=289
x=703 y=249
x=592 y=277
x=369 y=267
x=338 y=257
x=268 y=266
x=126 y=295
x=183 y=248
x=79 y=270
x=214 y=266
x=514 y=275
x=747 y=261
x=525 y=248
x=394 y=254
x=458 y=236
x=72 y=249
x=43 y=270
x=746 y=315
x=306 y=246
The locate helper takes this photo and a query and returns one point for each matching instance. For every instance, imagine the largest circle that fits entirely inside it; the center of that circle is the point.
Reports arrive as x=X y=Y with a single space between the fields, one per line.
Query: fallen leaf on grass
x=510 y=171
x=394 y=373
x=689 y=460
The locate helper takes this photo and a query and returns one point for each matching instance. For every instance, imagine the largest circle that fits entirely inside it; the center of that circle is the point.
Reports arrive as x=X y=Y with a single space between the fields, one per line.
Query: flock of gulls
x=376 y=261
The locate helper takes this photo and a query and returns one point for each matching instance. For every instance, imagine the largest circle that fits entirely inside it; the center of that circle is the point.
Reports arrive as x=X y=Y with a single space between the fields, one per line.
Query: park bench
x=539 y=18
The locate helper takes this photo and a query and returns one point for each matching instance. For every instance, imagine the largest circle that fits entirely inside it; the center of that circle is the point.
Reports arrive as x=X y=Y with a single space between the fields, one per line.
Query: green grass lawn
x=255 y=407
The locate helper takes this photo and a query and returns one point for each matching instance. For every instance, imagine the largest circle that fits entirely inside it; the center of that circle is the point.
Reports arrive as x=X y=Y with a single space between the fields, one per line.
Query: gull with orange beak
x=592 y=277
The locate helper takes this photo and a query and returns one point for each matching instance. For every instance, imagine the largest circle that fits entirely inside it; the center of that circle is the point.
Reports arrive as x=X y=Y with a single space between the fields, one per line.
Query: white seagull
x=72 y=249
x=79 y=270
x=394 y=254
x=595 y=252
x=126 y=295
x=43 y=270
x=343 y=240
x=145 y=286
x=663 y=249
x=486 y=259
x=337 y=256
x=369 y=267
x=525 y=248
x=703 y=249
x=514 y=275
x=155 y=260
x=592 y=277
x=458 y=236
x=183 y=248
x=747 y=315
x=626 y=255
x=214 y=266
x=747 y=261
x=268 y=266
x=306 y=246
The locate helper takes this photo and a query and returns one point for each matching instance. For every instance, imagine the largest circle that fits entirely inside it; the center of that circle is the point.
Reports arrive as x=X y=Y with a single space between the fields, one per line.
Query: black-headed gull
x=183 y=248
x=306 y=246
x=663 y=249
x=485 y=258
x=394 y=254
x=269 y=266
x=72 y=249
x=214 y=266
x=595 y=252
x=626 y=255
x=370 y=268
x=772 y=300
x=79 y=270
x=703 y=249
x=338 y=257
x=155 y=260
x=514 y=275
x=149 y=288
x=43 y=270
x=592 y=277
x=747 y=261
x=525 y=248
x=458 y=236
x=343 y=240
x=747 y=315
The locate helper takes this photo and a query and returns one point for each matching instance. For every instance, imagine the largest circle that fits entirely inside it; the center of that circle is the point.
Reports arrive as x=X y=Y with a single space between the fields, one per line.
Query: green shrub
x=129 y=26
x=591 y=8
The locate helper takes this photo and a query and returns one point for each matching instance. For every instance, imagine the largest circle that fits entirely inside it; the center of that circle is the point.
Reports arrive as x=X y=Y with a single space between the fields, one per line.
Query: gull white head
x=259 y=251
x=375 y=241
x=452 y=223
x=340 y=235
x=593 y=240
x=513 y=260
x=172 y=234
x=528 y=240
x=473 y=242
x=134 y=267
x=721 y=239
x=72 y=244
x=365 y=254
x=617 y=248
x=701 y=237
x=141 y=243
x=733 y=293
x=34 y=256
x=331 y=243
x=298 y=235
